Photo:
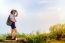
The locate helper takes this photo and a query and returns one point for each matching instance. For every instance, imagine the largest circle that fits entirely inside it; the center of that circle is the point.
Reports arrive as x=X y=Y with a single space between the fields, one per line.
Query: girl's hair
x=13 y=11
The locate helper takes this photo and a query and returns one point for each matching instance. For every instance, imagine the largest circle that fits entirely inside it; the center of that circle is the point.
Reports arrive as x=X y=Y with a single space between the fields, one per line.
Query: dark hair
x=12 y=11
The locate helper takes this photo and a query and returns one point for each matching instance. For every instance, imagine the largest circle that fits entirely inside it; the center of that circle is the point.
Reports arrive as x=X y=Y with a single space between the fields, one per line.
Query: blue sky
x=34 y=15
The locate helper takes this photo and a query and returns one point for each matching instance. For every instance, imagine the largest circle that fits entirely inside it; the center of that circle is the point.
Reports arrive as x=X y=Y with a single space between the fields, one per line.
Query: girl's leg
x=13 y=33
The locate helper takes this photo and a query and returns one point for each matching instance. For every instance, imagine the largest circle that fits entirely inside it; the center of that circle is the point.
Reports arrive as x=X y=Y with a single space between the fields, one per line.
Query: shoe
x=13 y=39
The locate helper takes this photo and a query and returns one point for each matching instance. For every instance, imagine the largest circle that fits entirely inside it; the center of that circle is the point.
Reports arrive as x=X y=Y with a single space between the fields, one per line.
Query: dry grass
x=55 y=41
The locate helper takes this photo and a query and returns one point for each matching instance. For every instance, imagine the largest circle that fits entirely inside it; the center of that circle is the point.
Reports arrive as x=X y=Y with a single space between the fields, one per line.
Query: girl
x=12 y=16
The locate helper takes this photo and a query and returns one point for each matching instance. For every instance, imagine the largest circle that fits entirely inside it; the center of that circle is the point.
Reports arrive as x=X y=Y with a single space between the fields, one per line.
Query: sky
x=34 y=15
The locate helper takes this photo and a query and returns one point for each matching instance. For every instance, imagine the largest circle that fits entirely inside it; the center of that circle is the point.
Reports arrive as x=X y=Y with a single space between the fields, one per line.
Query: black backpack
x=9 y=22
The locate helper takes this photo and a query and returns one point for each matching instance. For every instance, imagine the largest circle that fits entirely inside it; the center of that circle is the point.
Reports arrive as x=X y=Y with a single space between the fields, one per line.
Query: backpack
x=9 y=22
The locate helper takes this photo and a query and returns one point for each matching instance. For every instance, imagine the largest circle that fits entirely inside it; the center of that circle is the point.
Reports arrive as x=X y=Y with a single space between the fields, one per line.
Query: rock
x=8 y=37
x=10 y=41
x=18 y=40
x=23 y=40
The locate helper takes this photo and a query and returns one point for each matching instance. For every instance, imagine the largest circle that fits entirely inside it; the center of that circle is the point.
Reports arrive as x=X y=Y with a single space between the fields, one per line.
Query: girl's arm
x=12 y=18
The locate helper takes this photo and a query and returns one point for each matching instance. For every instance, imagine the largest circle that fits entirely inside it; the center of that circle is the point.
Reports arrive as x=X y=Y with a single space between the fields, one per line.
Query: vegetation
x=56 y=35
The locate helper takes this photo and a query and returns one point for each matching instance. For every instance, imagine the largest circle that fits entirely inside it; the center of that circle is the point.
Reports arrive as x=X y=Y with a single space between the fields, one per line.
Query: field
x=56 y=35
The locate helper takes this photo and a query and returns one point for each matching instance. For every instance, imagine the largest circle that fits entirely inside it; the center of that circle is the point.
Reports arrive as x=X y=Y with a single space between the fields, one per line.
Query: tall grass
x=56 y=35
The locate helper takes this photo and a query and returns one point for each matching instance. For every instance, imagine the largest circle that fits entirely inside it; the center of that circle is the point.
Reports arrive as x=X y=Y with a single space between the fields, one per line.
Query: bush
x=57 y=31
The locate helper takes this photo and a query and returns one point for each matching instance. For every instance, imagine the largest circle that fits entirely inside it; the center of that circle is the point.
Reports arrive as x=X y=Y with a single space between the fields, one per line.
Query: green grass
x=37 y=38
x=56 y=35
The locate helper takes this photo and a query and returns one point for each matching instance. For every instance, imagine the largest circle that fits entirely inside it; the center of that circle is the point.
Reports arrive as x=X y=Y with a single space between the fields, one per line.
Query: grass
x=55 y=41
x=56 y=35
x=38 y=38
